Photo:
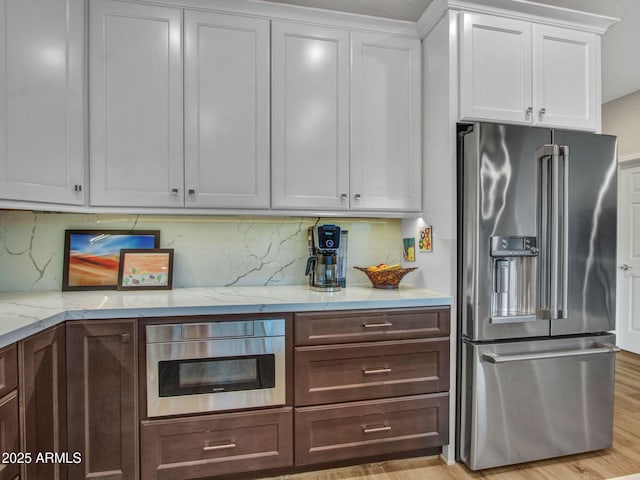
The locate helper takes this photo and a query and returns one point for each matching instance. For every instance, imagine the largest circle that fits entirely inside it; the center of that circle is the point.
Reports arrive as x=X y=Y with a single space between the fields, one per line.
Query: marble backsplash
x=209 y=250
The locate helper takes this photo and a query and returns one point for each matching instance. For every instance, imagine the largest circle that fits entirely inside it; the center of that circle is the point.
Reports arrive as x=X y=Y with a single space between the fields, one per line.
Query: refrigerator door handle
x=518 y=357
x=546 y=158
x=565 y=233
x=555 y=233
x=553 y=228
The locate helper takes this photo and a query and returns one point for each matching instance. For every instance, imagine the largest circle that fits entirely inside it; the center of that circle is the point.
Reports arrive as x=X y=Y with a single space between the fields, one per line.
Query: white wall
x=440 y=106
x=621 y=117
x=437 y=268
x=209 y=251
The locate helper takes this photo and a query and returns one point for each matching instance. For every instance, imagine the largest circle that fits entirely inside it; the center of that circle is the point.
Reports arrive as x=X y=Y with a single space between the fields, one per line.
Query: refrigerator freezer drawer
x=529 y=400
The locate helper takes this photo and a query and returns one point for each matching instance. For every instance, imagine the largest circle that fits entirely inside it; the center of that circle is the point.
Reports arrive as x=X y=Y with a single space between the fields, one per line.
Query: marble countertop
x=24 y=313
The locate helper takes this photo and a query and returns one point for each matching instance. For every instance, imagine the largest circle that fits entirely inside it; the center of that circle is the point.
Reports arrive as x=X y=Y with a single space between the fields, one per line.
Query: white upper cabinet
x=226 y=111
x=521 y=72
x=310 y=111
x=385 y=123
x=564 y=86
x=136 y=104
x=346 y=120
x=42 y=149
x=137 y=108
x=495 y=68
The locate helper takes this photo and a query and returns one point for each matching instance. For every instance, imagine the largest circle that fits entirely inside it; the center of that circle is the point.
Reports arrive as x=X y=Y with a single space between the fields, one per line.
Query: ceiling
x=620 y=45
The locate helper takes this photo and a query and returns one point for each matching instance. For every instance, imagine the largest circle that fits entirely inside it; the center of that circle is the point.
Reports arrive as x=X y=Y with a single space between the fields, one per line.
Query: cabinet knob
x=191 y=191
x=543 y=111
x=77 y=188
x=343 y=196
x=357 y=196
x=174 y=191
x=529 y=111
x=126 y=338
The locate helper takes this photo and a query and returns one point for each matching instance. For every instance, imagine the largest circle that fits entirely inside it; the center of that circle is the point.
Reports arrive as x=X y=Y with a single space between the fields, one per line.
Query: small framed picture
x=409 y=249
x=91 y=257
x=425 y=239
x=146 y=269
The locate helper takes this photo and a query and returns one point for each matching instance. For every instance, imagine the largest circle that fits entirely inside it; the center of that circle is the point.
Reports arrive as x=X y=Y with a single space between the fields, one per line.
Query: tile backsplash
x=209 y=250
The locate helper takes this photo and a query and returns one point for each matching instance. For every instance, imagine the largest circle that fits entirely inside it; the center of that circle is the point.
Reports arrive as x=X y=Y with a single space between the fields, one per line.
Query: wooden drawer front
x=342 y=373
x=316 y=328
x=8 y=369
x=9 y=434
x=216 y=444
x=377 y=427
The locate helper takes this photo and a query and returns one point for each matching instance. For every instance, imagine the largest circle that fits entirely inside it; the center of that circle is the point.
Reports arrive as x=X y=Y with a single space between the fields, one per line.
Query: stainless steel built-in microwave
x=201 y=367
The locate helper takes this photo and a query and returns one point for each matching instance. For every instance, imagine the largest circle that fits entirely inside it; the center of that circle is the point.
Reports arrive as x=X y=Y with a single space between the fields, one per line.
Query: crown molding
x=518 y=9
x=295 y=13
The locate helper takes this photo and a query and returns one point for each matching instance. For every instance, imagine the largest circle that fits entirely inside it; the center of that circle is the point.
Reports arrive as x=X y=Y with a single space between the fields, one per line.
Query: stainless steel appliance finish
x=535 y=399
x=536 y=272
x=201 y=367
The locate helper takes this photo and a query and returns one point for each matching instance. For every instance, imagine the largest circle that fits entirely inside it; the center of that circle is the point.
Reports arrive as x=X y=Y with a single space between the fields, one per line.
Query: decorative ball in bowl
x=385 y=276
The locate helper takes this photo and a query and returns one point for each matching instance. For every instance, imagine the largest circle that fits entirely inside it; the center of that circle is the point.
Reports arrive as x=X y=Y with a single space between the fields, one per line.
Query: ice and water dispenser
x=513 y=266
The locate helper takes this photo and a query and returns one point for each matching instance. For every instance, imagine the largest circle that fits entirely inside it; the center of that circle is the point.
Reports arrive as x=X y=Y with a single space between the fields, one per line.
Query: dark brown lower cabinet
x=8 y=369
x=9 y=437
x=197 y=447
x=102 y=398
x=42 y=401
x=370 y=383
x=365 y=371
x=9 y=419
x=378 y=427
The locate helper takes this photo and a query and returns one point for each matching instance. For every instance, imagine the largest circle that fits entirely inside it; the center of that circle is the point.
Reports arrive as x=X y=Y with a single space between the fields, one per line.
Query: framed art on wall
x=146 y=269
x=92 y=257
x=425 y=239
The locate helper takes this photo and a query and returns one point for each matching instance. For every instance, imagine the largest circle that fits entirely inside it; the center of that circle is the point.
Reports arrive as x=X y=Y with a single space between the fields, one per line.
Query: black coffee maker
x=322 y=264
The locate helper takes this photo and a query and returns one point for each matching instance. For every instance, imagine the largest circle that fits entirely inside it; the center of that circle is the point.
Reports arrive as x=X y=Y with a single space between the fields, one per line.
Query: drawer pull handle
x=377 y=325
x=373 y=371
x=225 y=446
x=385 y=428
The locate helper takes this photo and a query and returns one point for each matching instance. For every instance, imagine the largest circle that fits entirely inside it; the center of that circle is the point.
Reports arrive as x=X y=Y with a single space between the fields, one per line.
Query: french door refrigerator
x=536 y=293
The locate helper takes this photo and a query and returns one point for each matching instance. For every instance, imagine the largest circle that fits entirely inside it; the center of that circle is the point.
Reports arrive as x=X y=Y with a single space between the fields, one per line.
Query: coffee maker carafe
x=322 y=264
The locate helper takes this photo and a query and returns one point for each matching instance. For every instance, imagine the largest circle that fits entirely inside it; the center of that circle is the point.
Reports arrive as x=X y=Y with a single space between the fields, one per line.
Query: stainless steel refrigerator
x=536 y=293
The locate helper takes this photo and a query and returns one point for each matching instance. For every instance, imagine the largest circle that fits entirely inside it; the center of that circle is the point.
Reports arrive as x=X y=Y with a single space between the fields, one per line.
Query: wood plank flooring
x=620 y=460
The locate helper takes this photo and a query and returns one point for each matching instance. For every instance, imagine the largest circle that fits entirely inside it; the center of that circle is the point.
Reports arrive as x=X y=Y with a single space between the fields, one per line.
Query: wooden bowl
x=386 y=278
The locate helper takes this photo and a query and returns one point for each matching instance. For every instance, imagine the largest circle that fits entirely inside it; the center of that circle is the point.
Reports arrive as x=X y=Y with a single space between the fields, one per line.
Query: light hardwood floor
x=622 y=459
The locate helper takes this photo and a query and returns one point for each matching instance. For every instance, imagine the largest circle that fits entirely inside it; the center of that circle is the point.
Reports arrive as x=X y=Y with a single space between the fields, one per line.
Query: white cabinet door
x=495 y=69
x=226 y=111
x=385 y=123
x=310 y=117
x=564 y=78
x=42 y=149
x=136 y=104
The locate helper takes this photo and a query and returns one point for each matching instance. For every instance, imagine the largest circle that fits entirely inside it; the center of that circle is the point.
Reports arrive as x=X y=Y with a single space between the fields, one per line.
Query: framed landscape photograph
x=146 y=269
x=92 y=257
